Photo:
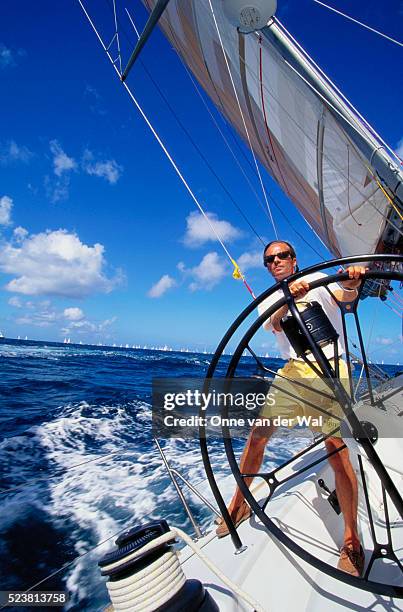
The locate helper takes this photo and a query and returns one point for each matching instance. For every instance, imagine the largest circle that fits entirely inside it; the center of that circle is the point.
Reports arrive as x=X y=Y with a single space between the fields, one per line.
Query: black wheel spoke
x=330 y=374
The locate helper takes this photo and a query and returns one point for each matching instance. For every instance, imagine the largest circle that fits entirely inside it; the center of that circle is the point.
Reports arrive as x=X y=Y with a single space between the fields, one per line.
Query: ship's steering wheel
x=383 y=268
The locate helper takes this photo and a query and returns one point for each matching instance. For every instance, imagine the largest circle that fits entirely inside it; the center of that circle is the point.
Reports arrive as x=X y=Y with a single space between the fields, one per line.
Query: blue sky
x=83 y=178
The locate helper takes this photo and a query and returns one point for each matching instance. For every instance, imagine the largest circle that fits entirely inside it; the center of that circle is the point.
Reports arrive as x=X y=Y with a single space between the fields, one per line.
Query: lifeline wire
x=237 y=274
x=367 y=27
x=243 y=118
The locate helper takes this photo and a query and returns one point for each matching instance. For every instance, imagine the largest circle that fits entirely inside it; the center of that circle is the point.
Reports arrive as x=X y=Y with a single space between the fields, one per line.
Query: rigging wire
x=80 y=556
x=325 y=155
x=61 y=472
x=265 y=209
x=341 y=94
x=237 y=273
x=397 y=303
x=395 y=311
x=367 y=27
x=331 y=161
x=380 y=348
x=117 y=36
x=396 y=295
x=242 y=116
x=247 y=160
x=229 y=148
x=356 y=127
x=193 y=142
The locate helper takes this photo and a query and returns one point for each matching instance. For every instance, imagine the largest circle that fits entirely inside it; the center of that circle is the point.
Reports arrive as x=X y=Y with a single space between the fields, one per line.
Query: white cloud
x=57 y=190
x=198 y=230
x=15 y=301
x=6 y=57
x=95 y=100
x=40 y=315
x=12 y=152
x=107 y=323
x=85 y=327
x=20 y=233
x=6 y=205
x=252 y=259
x=73 y=314
x=43 y=314
x=384 y=341
x=56 y=263
x=61 y=161
x=164 y=283
x=63 y=165
x=108 y=169
x=208 y=273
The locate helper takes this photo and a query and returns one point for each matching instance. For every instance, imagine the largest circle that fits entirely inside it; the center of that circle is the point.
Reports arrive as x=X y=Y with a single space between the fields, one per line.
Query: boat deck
x=279 y=580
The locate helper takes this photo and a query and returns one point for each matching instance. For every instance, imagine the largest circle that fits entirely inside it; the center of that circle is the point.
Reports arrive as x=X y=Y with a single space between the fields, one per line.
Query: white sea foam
x=99 y=496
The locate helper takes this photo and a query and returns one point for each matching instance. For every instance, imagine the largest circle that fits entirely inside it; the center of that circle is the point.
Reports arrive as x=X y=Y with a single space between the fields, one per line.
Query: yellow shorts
x=287 y=404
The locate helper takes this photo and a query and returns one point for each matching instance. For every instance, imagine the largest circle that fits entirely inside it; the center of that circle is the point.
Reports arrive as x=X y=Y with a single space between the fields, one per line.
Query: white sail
x=311 y=142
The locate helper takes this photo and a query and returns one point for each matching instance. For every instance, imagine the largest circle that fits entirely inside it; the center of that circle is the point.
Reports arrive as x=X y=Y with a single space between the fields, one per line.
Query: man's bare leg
x=347 y=490
x=251 y=460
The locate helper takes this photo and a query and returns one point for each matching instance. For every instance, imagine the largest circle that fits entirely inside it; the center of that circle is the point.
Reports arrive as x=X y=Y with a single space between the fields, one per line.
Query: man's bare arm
x=349 y=290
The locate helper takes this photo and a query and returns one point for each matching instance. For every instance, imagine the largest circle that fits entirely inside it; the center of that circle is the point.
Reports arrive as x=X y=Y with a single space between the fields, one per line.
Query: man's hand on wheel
x=355 y=273
x=299 y=289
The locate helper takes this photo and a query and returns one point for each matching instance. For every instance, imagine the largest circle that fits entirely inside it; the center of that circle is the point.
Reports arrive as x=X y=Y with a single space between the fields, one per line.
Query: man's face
x=280 y=268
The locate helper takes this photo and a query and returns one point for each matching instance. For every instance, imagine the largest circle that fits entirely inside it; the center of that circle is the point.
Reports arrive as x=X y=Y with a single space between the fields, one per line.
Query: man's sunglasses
x=268 y=259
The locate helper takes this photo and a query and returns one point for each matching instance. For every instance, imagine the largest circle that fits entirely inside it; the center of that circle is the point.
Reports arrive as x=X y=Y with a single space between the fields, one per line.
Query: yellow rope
x=237 y=274
x=391 y=202
x=385 y=193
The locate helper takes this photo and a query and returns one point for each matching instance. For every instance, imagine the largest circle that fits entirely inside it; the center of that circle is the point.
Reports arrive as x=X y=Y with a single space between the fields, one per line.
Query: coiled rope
x=155 y=585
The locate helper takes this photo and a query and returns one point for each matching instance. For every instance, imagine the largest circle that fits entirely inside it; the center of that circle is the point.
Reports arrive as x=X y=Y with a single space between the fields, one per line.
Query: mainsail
x=327 y=160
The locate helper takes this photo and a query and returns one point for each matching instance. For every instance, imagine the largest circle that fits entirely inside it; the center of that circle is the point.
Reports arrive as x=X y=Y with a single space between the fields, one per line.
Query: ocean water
x=78 y=463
